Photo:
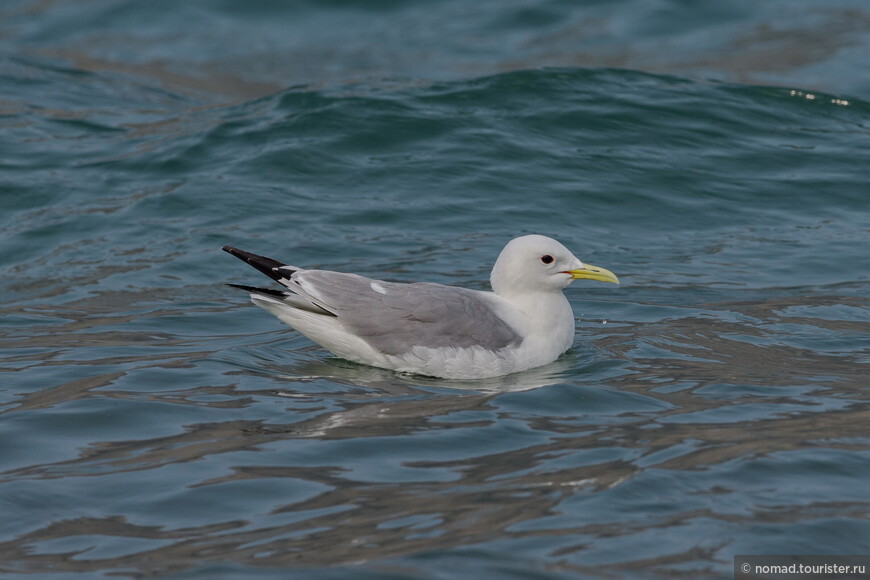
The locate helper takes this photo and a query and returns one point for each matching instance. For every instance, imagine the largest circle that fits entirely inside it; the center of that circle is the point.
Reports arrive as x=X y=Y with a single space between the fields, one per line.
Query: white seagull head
x=531 y=264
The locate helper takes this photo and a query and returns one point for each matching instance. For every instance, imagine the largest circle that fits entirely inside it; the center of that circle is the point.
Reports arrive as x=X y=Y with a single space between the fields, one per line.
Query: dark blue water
x=154 y=423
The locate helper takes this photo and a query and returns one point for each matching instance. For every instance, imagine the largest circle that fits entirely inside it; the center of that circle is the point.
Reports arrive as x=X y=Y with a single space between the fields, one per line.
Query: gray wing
x=394 y=317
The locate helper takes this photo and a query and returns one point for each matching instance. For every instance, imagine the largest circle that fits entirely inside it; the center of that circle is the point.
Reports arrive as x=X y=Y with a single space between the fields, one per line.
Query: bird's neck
x=544 y=309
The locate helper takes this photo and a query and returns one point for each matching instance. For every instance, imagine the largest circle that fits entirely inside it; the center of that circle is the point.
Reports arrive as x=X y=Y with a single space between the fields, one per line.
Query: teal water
x=155 y=424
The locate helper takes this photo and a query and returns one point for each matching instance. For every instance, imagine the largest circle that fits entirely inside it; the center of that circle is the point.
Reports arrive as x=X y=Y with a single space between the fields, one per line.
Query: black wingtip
x=255 y=290
x=267 y=266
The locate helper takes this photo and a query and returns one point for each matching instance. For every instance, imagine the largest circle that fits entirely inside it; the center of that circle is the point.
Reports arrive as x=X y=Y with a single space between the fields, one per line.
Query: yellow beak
x=591 y=272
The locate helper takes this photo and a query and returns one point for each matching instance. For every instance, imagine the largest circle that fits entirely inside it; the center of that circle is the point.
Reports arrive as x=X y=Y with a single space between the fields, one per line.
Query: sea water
x=155 y=423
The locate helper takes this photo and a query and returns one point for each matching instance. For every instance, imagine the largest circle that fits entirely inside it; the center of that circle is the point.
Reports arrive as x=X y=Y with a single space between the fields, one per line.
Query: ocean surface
x=153 y=423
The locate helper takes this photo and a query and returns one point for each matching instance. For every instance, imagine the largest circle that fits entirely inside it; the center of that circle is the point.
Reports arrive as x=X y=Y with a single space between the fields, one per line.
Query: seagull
x=433 y=329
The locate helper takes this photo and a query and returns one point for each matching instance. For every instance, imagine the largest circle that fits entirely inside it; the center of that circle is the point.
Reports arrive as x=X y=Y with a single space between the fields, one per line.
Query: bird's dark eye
x=548 y=259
